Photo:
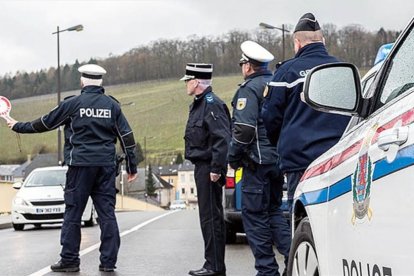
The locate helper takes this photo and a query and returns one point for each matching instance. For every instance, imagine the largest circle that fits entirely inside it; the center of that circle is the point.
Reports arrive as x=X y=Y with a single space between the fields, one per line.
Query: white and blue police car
x=352 y=212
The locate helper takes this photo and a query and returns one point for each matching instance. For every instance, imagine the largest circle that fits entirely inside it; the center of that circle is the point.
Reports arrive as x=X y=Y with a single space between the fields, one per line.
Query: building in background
x=186 y=188
x=7 y=173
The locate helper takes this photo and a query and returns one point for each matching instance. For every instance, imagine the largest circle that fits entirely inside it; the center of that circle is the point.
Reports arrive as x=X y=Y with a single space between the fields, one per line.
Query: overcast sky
x=114 y=27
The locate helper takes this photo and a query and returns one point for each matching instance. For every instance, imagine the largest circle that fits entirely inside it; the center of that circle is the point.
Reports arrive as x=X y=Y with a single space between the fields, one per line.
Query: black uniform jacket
x=207 y=133
x=304 y=133
x=92 y=123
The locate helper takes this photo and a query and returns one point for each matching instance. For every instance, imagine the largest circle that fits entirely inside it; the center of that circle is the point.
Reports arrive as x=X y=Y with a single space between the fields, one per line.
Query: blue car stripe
x=404 y=159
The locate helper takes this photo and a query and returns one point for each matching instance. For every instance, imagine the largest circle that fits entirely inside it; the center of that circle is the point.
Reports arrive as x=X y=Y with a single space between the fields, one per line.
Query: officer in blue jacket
x=301 y=132
x=207 y=137
x=262 y=180
x=92 y=123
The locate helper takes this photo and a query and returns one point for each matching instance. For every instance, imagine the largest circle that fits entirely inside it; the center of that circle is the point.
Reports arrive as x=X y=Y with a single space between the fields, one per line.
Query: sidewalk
x=122 y=204
x=5 y=221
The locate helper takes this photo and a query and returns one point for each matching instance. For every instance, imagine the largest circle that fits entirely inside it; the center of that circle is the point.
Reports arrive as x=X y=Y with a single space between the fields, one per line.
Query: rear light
x=229 y=182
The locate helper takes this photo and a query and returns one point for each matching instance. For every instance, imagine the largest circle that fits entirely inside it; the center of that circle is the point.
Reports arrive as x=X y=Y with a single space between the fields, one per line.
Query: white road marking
x=85 y=251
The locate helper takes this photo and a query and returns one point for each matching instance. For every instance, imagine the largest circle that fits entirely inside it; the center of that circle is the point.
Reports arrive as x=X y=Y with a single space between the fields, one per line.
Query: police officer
x=207 y=137
x=262 y=180
x=302 y=133
x=92 y=121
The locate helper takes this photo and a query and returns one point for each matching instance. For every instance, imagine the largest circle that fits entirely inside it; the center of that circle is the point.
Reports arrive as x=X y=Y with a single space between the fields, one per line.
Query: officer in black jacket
x=92 y=122
x=262 y=180
x=207 y=137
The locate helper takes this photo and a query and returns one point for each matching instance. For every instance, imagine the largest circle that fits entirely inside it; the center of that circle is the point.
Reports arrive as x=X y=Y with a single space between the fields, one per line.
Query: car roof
x=54 y=168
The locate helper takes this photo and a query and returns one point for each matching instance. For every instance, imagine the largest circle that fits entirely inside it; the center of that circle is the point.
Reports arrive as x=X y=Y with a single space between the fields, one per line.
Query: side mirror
x=17 y=185
x=334 y=88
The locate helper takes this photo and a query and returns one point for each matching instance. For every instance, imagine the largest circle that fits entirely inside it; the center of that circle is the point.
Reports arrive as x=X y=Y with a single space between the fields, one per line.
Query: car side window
x=400 y=77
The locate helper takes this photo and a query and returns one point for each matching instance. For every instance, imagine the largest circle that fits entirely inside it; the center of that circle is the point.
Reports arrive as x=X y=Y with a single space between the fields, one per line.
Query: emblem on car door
x=362 y=179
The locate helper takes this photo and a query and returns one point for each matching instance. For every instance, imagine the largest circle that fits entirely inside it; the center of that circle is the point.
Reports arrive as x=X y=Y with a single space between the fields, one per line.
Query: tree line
x=166 y=58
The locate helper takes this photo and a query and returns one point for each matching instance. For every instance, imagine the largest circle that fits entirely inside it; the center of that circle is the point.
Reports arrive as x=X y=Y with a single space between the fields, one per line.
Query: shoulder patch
x=244 y=83
x=241 y=103
x=209 y=98
x=113 y=98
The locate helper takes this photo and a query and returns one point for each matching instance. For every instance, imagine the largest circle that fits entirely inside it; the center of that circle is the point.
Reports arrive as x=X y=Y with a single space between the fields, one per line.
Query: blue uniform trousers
x=210 y=207
x=99 y=183
x=263 y=221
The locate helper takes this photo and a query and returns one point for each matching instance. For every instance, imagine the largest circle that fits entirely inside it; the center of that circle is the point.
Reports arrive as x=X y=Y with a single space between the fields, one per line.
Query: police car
x=40 y=199
x=232 y=204
x=353 y=207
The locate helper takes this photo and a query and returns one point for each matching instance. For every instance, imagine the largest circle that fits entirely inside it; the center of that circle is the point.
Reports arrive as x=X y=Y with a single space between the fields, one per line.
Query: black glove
x=119 y=159
x=235 y=164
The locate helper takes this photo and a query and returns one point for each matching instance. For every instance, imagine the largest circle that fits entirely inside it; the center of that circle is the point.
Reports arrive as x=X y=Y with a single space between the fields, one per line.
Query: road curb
x=5 y=225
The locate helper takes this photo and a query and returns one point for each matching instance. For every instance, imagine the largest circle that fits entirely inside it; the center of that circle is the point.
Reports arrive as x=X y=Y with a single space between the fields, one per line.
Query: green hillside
x=157 y=110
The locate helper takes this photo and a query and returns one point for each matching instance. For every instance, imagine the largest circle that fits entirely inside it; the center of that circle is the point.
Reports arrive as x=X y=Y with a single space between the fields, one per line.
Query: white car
x=178 y=205
x=40 y=199
x=353 y=209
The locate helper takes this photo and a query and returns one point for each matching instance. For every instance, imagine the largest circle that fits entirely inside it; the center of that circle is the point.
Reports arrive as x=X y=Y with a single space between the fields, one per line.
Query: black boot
x=62 y=267
x=106 y=268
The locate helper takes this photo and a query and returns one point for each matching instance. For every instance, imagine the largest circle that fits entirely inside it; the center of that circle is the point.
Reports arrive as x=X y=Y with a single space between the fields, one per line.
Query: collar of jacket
x=93 y=89
x=316 y=47
x=259 y=73
x=202 y=95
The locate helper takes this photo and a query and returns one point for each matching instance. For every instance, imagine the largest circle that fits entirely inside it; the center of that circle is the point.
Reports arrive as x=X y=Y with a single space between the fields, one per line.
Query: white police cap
x=254 y=53
x=92 y=71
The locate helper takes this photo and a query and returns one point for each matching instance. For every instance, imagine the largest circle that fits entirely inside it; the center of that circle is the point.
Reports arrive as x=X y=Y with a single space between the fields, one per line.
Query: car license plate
x=52 y=210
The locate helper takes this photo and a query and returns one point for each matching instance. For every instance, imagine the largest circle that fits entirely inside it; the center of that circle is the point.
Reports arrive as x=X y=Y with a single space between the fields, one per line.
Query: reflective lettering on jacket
x=95 y=112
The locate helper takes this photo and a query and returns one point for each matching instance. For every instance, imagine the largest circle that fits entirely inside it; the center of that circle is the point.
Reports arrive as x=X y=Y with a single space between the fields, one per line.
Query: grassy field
x=157 y=110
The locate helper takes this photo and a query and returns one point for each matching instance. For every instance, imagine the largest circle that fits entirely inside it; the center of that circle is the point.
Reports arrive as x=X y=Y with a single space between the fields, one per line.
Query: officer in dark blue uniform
x=301 y=132
x=93 y=121
x=207 y=137
x=262 y=180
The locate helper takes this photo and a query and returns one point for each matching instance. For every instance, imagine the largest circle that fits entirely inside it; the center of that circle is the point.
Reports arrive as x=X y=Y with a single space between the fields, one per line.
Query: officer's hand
x=214 y=177
x=234 y=164
x=132 y=177
x=11 y=123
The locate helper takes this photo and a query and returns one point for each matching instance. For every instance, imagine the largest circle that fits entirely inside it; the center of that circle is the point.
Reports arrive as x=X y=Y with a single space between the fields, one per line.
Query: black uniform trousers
x=263 y=220
x=210 y=195
x=99 y=183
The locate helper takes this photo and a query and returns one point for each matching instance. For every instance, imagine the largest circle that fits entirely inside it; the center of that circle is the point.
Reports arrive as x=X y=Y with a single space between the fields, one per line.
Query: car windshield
x=178 y=202
x=400 y=78
x=46 y=178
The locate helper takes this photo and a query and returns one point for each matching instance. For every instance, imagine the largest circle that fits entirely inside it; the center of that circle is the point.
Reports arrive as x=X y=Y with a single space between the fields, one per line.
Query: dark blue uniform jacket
x=249 y=139
x=207 y=134
x=93 y=121
x=304 y=132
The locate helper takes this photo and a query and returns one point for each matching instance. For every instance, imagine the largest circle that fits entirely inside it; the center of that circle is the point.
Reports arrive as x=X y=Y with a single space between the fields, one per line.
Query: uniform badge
x=241 y=103
x=209 y=98
x=362 y=180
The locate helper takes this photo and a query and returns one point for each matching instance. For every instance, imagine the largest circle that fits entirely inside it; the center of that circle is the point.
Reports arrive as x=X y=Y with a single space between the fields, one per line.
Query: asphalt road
x=152 y=243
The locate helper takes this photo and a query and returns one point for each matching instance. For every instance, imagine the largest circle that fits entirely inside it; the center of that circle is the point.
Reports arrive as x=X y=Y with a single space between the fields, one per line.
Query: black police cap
x=307 y=22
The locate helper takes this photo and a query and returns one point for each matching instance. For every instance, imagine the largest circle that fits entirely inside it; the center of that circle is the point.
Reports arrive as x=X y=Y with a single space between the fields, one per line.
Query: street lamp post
x=283 y=29
x=77 y=28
